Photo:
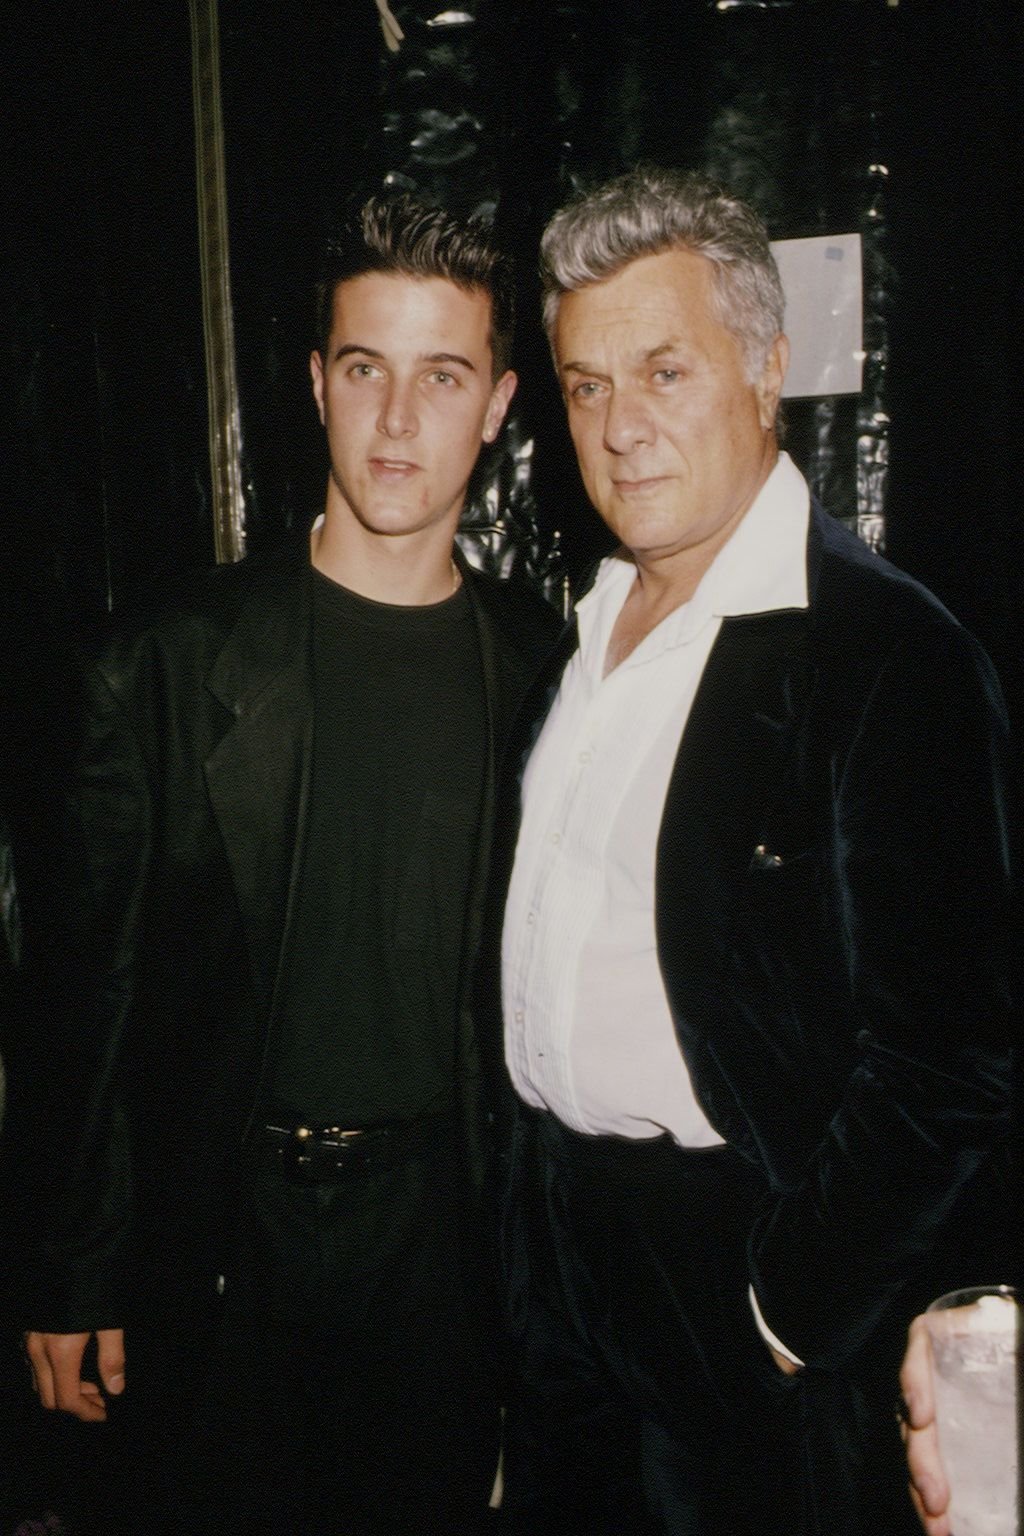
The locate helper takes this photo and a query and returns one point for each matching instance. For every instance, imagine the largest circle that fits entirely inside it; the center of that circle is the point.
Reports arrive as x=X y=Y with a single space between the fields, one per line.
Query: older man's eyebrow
x=582 y=367
x=663 y=349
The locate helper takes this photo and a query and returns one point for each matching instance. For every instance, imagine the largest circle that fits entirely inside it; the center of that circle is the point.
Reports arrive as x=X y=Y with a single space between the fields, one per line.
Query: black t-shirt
x=371 y=980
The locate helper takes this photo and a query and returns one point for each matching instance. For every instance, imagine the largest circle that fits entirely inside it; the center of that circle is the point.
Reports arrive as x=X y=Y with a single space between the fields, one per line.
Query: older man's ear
x=769 y=385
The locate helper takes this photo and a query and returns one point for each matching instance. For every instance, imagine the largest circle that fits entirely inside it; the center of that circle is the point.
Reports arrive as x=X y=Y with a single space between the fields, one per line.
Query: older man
x=756 y=934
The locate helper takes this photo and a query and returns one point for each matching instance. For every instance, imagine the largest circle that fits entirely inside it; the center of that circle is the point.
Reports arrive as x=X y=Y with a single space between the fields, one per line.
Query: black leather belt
x=324 y=1154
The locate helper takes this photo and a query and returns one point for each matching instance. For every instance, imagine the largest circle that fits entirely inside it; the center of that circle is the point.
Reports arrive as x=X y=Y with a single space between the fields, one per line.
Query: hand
x=929 y=1489
x=56 y=1360
x=787 y=1367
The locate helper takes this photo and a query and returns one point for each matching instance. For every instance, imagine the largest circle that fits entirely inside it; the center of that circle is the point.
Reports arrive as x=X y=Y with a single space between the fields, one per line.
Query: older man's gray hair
x=648 y=211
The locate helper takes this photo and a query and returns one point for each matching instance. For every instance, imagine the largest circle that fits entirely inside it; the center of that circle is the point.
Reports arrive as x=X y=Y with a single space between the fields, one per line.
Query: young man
x=268 y=1211
x=757 y=939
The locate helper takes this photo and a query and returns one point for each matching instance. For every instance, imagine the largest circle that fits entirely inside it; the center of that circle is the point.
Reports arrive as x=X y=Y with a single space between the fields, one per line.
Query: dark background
x=900 y=121
x=831 y=115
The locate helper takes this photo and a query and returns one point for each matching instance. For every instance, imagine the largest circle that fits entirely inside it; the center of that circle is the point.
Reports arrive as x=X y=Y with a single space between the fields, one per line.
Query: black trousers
x=648 y=1401
x=344 y=1385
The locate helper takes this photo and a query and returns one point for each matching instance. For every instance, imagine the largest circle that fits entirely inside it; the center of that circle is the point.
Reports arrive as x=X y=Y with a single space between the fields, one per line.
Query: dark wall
x=897 y=120
x=105 y=480
x=829 y=114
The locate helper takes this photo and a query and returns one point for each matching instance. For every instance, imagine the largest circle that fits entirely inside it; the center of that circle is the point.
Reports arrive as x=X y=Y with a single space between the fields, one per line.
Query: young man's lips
x=392 y=468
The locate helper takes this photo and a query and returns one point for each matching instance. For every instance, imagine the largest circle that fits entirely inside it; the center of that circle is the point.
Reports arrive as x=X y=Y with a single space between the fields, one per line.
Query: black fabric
x=845 y=1006
x=367 y=1019
x=342 y=1383
x=648 y=1404
x=185 y=839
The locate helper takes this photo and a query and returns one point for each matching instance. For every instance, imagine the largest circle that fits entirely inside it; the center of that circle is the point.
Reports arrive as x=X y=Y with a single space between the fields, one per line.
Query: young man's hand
x=56 y=1360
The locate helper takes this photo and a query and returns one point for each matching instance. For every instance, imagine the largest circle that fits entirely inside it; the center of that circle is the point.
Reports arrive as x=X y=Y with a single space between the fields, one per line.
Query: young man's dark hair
x=402 y=236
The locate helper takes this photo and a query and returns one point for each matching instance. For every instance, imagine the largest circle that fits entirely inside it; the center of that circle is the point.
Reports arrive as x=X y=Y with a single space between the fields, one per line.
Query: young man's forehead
x=433 y=319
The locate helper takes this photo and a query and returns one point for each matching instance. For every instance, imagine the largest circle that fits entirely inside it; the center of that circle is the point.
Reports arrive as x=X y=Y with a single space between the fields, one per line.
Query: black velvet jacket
x=186 y=846
x=835 y=933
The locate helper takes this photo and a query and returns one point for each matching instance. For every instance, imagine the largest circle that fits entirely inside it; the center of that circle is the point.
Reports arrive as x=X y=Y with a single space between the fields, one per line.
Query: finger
x=42 y=1375
x=786 y=1366
x=916 y=1375
x=65 y=1353
x=926 y=1473
x=65 y=1356
x=91 y=1409
x=934 y=1525
x=87 y=1404
x=110 y=1354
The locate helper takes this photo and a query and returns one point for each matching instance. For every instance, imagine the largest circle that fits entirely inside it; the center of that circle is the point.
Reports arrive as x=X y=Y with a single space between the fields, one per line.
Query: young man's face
x=406 y=396
x=674 y=440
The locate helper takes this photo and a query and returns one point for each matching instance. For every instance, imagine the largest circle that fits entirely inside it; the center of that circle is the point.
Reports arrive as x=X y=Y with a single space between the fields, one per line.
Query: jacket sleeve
x=78 y=1278
x=923 y=868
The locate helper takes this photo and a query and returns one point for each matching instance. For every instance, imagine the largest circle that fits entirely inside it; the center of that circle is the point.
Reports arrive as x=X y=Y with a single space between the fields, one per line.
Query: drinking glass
x=974 y=1346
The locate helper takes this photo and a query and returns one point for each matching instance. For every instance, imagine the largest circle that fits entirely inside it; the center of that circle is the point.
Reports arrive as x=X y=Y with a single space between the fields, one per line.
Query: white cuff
x=766 y=1333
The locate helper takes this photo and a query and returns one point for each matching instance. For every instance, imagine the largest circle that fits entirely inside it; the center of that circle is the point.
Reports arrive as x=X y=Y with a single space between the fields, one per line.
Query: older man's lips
x=638 y=487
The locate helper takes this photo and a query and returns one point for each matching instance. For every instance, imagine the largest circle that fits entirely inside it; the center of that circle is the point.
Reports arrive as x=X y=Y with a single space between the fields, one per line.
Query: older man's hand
x=929 y=1489
x=786 y=1366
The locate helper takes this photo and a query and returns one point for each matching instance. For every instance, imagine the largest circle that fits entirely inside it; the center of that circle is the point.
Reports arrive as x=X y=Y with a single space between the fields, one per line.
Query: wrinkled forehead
x=651 y=304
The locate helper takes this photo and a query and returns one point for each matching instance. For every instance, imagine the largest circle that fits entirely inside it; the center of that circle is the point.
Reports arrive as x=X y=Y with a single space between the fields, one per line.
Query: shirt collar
x=763 y=566
x=761 y=569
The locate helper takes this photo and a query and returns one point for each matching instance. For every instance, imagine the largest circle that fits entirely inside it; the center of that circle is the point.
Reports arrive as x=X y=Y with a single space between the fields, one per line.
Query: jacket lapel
x=258 y=774
x=734 y=769
x=742 y=729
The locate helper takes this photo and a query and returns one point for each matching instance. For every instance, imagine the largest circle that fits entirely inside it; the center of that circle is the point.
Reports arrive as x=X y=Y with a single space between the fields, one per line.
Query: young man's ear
x=497 y=407
x=316 y=370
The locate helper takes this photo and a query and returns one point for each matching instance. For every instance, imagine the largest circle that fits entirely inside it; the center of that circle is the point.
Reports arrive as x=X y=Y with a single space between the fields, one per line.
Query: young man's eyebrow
x=450 y=357
x=349 y=348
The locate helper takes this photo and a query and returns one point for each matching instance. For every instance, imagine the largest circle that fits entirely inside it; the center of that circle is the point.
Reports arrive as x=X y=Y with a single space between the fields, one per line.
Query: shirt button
x=584 y=757
x=530 y=917
x=519 y=1015
x=556 y=837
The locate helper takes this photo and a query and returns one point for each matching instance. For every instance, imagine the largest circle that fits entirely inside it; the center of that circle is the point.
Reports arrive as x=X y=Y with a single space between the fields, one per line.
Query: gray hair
x=648 y=211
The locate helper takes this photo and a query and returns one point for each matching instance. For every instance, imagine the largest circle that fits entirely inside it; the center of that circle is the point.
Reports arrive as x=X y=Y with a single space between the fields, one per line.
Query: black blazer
x=833 y=913
x=186 y=843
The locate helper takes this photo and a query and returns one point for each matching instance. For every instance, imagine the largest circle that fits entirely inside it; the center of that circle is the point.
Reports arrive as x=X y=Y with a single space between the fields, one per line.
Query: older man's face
x=673 y=439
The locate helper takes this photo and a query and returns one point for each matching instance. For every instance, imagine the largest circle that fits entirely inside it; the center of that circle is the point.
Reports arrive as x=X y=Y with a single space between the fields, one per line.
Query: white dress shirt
x=588 y=1031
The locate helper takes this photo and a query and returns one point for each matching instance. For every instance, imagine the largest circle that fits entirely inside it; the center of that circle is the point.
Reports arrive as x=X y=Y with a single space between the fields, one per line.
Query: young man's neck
x=409 y=570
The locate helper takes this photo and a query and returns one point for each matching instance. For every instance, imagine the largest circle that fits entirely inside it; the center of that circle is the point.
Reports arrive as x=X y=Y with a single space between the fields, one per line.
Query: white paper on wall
x=821 y=278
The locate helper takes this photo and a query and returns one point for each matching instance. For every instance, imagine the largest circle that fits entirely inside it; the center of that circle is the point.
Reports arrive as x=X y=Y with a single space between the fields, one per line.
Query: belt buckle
x=308 y=1154
x=299 y=1155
